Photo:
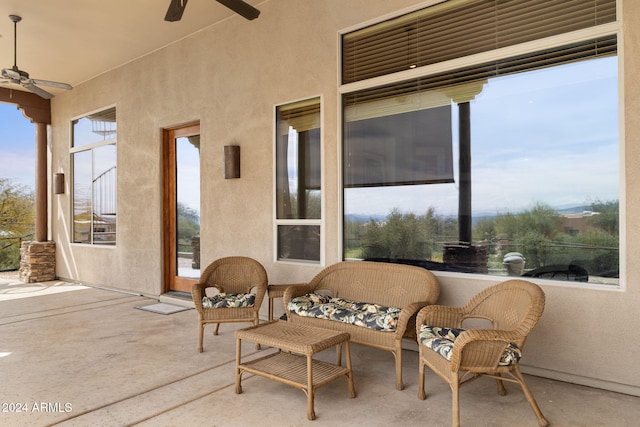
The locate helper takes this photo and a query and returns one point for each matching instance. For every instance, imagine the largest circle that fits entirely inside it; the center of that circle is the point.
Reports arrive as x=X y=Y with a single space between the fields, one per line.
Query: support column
x=464 y=254
x=464 y=200
x=41 y=231
x=38 y=258
x=37 y=262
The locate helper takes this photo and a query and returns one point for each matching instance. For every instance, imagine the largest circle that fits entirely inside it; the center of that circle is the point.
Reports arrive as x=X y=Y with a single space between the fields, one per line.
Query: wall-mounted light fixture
x=58 y=183
x=231 y=161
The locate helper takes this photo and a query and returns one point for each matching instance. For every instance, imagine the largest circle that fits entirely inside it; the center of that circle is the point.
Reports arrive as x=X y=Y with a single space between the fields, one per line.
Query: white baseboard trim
x=562 y=376
x=581 y=380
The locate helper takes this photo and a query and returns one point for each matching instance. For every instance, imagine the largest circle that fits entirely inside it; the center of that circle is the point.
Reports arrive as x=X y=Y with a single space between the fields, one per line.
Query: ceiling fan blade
x=241 y=8
x=40 y=92
x=52 y=84
x=175 y=11
x=8 y=73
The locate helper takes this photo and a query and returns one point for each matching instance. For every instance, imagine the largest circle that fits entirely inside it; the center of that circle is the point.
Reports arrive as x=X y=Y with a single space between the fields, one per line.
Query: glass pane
x=544 y=178
x=82 y=197
x=94 y=128
x=104 y=195
x=547 y=175
x=298 y=177
x=188 y=206
x=299 y=242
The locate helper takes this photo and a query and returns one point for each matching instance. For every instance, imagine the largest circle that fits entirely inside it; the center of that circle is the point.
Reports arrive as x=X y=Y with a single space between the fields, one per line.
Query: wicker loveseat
x=385 y=297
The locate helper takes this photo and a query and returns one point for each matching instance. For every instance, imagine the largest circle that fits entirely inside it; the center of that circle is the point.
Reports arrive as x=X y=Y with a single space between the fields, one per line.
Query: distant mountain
x=476 y=217
x=574 y=209
x=365 y=217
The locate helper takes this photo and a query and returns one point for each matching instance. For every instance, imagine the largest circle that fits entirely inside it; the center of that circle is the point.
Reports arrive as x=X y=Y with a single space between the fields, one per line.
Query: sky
x=17 y=146
x=188 y=168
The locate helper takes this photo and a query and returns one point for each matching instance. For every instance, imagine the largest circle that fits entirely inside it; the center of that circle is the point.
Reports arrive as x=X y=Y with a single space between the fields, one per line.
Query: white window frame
x=306 y=222
x=497 y=54
x=89 y=147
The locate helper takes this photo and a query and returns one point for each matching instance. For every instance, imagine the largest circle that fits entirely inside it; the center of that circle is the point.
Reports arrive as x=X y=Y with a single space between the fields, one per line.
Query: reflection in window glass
x=298 y=180
x=188 y=206
x=544 y=182
x=299 y=242
x=95 y=128
x=298 y=166
x=104 y=194
x=94 y=179
x=82 y=197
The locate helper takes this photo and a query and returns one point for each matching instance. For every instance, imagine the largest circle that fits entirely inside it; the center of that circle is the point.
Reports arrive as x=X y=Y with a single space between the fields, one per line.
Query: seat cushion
x=441 y=341
x=223 y=300
x=368 y=315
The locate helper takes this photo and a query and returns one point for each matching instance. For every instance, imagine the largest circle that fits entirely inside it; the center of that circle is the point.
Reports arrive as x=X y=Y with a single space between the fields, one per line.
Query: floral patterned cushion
x=223 y=300
x=307 y=301
x=363 y=314
x=441 y=341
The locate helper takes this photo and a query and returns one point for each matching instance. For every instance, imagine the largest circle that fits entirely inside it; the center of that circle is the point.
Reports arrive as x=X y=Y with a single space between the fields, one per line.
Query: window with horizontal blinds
x=459 y=28
x=523 y=97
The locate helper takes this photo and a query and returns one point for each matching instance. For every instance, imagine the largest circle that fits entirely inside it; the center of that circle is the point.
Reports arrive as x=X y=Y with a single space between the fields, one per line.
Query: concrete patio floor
x=79 y=356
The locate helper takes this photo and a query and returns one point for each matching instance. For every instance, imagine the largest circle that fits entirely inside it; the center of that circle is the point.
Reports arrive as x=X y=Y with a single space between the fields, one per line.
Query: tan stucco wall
x=229 y=77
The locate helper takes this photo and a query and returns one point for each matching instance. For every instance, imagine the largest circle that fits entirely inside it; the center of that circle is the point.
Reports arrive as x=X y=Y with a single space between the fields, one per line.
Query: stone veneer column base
x=37 y=262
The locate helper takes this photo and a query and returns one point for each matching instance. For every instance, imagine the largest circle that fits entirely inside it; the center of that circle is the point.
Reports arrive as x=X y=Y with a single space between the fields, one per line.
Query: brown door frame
x=170 y=274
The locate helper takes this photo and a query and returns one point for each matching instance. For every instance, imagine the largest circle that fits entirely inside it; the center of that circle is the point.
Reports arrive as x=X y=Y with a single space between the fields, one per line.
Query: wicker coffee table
x=293 y=363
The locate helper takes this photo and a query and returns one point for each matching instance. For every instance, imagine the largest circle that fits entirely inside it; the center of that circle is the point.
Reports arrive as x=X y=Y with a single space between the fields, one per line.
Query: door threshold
x=178 y=298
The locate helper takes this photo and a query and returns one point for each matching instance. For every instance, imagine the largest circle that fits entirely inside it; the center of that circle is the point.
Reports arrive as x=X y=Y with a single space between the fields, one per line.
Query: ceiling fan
x=176 y=8
x=17 y=76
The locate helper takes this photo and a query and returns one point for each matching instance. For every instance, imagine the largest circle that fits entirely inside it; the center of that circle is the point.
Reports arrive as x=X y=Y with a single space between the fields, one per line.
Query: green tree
x=541 y=220
x=354 y=232
x=404 y=236
x=188 y=225
x=17 y=217
x=484 y=230
x=531 y=232
x=539 y=233
x=607 y=214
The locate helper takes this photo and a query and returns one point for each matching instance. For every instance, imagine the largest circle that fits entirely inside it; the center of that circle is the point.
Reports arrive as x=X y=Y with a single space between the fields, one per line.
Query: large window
x=93 y=157
x=524 y=118
x=298 y=181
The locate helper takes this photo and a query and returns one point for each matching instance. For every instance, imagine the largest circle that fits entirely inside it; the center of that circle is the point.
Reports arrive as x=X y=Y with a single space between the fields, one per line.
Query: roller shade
x=402 y=148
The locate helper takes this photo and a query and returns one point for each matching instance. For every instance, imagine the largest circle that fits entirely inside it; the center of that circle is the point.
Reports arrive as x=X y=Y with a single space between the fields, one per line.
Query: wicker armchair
x=231 y=275
x=512 y=308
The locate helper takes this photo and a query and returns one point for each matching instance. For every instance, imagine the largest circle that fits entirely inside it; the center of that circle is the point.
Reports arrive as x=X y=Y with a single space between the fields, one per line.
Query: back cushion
x=387 y=284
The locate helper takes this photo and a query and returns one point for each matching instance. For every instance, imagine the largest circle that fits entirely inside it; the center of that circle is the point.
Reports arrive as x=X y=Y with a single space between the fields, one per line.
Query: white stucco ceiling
x=72 y=41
